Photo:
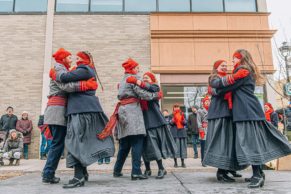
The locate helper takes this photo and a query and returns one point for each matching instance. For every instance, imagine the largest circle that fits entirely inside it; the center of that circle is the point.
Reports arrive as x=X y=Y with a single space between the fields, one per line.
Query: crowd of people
x=230 y=125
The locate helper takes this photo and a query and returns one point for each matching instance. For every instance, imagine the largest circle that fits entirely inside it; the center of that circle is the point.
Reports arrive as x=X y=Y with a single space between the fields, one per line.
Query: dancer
x=159 y=143
x=128 y=115
x=219 y=148
x=85 y=119
x=202 y=125
x=256 y=140
x=54 y=115
x=271 y=115
x=179 y=134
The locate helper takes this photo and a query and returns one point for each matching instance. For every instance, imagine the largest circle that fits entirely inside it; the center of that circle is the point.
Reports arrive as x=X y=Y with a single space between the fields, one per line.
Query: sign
x=287 y=89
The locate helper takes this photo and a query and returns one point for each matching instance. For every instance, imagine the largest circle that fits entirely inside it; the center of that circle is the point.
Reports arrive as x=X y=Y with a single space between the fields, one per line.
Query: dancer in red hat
x=54 y=115
x=256 y=140
x=159 y=143
x=85 y=119
x=271 y=115
x=128 y=115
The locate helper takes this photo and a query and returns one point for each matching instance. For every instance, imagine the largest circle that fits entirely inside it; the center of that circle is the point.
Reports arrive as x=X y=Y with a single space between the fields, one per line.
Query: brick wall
x=111 y=39
x=21 y=65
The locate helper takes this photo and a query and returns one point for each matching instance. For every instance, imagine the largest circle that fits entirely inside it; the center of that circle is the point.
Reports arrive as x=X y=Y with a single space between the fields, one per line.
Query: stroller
x=3 y=137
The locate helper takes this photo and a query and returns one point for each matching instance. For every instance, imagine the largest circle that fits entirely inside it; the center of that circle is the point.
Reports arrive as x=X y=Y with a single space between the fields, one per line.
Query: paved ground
x=193 y=179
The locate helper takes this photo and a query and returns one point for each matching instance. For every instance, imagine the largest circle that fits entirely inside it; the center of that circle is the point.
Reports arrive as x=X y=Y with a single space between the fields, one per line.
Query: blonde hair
x=248 y=63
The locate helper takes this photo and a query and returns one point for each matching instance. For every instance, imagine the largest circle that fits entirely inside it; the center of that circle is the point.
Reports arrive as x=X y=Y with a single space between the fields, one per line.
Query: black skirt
x=220 y=145
x=159 y=144
x=81 y=142
x=258 y=142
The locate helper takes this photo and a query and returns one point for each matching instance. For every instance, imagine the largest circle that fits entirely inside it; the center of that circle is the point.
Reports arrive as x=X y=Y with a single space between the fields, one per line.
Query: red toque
x=85 y=58
x=269 y=105
x=61 y=54
x=129 y=65
x=152 y=76
x=237 y=55
x=218 y=63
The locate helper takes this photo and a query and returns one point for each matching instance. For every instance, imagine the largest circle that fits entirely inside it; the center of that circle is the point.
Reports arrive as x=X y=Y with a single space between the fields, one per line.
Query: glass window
x=72 y=5
x=207 y=6
x=186 y=96
x=240 y=5
x=6 y=5
x=30 y=5
x=174 y=5
x=141 y=5
x=106 y=5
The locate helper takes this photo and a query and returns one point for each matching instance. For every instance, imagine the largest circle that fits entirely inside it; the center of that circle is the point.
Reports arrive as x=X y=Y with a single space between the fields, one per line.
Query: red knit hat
x=61 y=54
x=218 y=63
x=152 y=76
x=85 y=58
x=237 y=55
x=129 y=65
x=269 y=105
x=205 y=99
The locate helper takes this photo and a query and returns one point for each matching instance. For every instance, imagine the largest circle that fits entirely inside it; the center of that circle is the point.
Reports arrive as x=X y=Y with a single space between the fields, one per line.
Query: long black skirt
x=159 y=144
x=258 y=142
x=220 y=145
x=81 y=142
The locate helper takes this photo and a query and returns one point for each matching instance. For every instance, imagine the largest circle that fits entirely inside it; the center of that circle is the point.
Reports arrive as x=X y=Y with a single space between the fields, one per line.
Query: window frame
x=13 y=12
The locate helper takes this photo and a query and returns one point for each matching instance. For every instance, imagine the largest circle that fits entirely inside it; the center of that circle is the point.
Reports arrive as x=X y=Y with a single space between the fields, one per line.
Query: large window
x=207 y=6
x=174 y=5
x=6 y=5
x=240 y=6
x=30 y=5
x=140 y=5
x=106 y=5
x=72 y=5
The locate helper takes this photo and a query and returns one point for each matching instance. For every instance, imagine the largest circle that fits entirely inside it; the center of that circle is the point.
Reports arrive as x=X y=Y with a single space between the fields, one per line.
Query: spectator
x=25 y=127
x=13 y=147
x=45 y=143
x=286 y=113
x=7 y=122
x=167 y=116
x=271 y=115
x=193 y=129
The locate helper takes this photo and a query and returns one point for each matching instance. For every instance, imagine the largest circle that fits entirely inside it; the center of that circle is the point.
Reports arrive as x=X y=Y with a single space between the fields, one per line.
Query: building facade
x=179 y=40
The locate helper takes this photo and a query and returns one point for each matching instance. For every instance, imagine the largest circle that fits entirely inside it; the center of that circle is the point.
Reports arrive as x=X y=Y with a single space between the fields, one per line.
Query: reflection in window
x=30 y=5
x=174 y=5
x=240 y=5
x=186 y=96
x=72 y=5
x=106 y=5
x=207 y=5
x=6 y=5
x=140 y=5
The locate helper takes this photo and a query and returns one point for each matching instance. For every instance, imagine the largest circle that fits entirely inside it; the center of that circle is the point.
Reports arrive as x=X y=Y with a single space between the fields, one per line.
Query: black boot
x=183 y=163
x=147 y=173
x=221 y=176
x=161 y=174
x=52 y=180
x=86 y=174
x=175 y=164
x=235 y=174
x=117 y=174
x=73 y=183
x=256 y=182
x=138 y=177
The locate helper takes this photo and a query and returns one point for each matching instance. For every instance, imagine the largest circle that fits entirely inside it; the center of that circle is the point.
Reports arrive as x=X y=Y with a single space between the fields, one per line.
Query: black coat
x=275 y=119
x=218 y=106
x=7 y=123
x=287 y=115
x=192 y=124
x=81 y=102
x=153 y=118
x=246 y=106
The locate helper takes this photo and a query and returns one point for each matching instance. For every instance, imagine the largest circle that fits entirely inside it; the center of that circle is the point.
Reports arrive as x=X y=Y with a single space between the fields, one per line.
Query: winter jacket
x=202 y=123
x=8 y=122
x=15 y=145
x=192 y=124
x=25 y=127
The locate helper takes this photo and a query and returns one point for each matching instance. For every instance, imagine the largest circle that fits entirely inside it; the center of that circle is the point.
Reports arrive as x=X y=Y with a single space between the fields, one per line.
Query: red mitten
x=241 y=74
x=53 y=74
x=91 y=84
x=105 y=133
x=131 y=80
x=201 y=133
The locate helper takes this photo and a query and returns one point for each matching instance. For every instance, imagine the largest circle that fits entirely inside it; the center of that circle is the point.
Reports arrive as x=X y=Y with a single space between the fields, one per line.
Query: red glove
x=104 y=134
x=53 y=74
x=131 y=80
x=241 y=74
x=201 y=133
x=90 y=84
x=160 y=95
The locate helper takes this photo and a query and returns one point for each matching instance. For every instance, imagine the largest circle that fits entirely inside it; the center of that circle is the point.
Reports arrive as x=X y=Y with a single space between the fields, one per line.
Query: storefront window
x=106 y=5
x=72 y=6
x=6 y=5
x=174 y=5
x=240 y=6
x=207 y=6
x=186 y=96
x=259 y=93
x=30 y=5
x=140 y=5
